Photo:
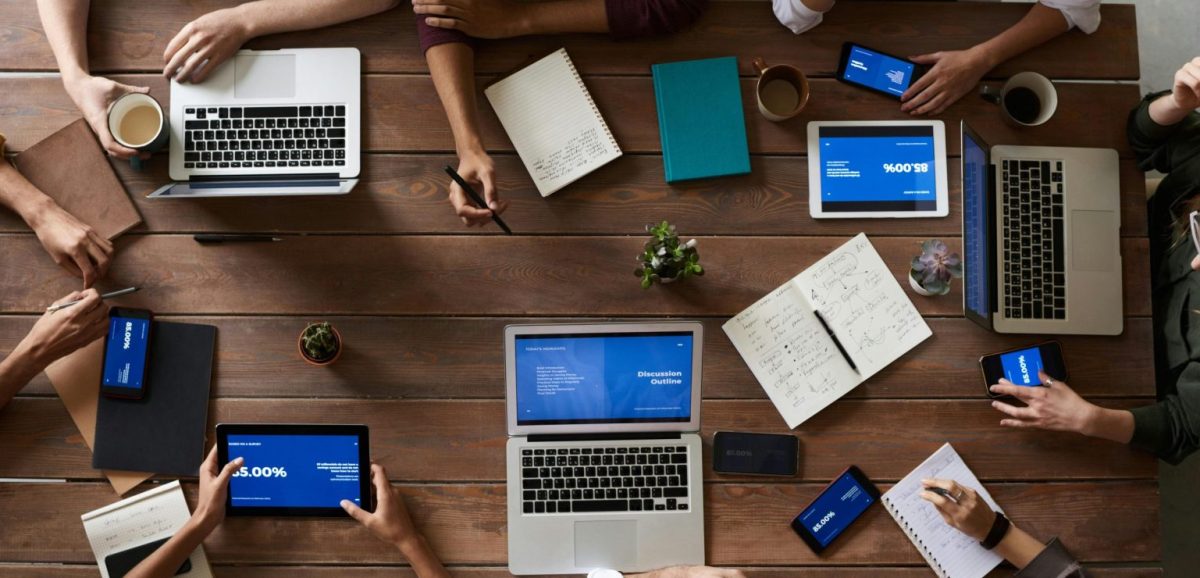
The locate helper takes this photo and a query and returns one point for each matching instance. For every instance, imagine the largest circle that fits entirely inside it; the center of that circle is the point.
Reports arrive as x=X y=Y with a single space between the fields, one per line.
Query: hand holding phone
x=1022 y=366
x=126 y=353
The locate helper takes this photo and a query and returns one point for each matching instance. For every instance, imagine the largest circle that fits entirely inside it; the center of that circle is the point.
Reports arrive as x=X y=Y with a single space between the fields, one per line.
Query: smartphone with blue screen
x=877 y=71
x=126 y=353
x=1021 y=366
x=842 y=502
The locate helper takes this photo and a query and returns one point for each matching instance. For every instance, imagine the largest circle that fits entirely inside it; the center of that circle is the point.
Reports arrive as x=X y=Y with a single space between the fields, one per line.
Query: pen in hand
x=941 y=492
x=475 y=198
x=109 y=295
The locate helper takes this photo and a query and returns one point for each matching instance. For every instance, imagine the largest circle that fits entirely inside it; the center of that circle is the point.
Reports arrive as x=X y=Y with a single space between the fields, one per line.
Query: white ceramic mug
x=1019 y=107
x=153 y=140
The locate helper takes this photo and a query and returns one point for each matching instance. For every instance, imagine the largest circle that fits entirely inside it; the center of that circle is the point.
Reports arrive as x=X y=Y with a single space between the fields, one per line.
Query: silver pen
x=110 y=295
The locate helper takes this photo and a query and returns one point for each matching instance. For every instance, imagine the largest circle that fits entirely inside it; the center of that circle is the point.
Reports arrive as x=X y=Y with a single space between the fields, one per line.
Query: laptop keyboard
x=1033 y=240
x=608 y=479
x=244 y=137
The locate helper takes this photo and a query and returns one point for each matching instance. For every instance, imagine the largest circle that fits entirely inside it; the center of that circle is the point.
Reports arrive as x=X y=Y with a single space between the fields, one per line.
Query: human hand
x=692 y=572
x=1186 y=93
x=390 y=522
x=478 y=18
x=970 y=514
x=59 y=333
x=477 y=169
x=954 y=74
x=93 y=95
x=72 y=244
x=203 y=44
x=1054 y=406
x=1196 y=263
x=214 y=485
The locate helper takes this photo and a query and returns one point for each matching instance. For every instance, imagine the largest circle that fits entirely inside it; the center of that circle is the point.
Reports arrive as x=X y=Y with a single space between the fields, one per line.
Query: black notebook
x=164 y=431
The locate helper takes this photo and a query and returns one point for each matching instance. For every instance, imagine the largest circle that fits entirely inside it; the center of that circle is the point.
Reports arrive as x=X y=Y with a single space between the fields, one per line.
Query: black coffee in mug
x=1023 y=104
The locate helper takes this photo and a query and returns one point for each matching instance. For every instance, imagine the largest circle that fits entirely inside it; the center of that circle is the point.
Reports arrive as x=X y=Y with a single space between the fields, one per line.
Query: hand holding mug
x=93 y=95
x=137 y=122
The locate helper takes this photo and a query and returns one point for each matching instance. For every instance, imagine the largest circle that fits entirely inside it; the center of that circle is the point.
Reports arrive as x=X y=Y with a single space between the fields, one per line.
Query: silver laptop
x=1041 y=238
x=604 y=456
x=268 y=123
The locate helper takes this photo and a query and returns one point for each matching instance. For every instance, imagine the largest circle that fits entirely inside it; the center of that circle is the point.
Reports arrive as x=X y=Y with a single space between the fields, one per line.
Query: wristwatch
x=604 y=573
x=996 y=534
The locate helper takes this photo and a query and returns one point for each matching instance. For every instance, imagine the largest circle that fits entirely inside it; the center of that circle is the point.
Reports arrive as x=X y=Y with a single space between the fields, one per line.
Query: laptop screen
x=975 y=227
x=600 y=378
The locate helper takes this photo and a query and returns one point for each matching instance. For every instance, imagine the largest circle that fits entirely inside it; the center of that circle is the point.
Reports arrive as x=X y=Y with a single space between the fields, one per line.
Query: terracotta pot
x=336 y=356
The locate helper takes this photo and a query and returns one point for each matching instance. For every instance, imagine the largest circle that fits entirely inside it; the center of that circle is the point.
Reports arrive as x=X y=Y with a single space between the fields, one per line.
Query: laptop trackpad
x=265 y=76
x=1090 y=231
x=606 y=544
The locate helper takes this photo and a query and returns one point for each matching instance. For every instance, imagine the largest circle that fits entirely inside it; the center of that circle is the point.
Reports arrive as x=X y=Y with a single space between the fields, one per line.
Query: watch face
x=604 y=573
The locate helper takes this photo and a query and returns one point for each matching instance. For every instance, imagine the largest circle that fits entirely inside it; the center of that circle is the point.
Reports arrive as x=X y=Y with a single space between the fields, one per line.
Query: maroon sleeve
x=634 y=18
x=430 y=36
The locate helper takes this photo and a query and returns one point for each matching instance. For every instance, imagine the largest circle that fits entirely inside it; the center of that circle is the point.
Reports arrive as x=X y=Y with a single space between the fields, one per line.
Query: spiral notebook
x=553 y=122
x=950 y=553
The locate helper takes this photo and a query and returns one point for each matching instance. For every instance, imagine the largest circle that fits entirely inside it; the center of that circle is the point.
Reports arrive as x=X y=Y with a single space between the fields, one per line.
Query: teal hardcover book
x=700 y=118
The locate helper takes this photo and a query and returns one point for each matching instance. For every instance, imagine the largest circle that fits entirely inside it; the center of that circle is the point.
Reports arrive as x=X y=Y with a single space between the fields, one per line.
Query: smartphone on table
x=126 y=353
x=842 y=502
x=755 y=453
x=1021 y=366
x=877 y=71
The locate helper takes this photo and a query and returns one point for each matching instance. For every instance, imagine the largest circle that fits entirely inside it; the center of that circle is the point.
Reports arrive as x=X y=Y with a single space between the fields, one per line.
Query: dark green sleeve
x=1171 y=428
x=1052 y=562
x=1161 y=147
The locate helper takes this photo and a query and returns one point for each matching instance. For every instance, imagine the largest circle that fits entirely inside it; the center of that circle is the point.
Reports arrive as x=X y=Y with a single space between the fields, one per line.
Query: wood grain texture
x=423 y=357
x=403 y=114
x=128 y=36
x=463 y=275
x=466 y=524
x=407 y=194
x=74 y=571
x=464 y=441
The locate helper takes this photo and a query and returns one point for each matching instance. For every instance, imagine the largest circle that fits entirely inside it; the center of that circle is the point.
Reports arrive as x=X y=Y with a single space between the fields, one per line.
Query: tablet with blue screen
x=295 y=469
x=877 y=169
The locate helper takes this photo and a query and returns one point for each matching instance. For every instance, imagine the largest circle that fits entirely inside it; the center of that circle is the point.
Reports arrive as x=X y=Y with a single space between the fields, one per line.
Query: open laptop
x=1041 y=238
x=604 y=456
x=268 y=123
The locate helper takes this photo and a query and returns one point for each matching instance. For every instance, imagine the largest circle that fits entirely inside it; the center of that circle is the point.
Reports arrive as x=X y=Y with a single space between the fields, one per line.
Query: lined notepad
x=791 y=353
x=149 y=516
x=950 y=553
x=552 y=121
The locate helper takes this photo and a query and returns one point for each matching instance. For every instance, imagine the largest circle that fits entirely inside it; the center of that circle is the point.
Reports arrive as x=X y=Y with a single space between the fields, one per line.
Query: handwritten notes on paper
x=151 y=515
x=552 y=121
x=792 y=355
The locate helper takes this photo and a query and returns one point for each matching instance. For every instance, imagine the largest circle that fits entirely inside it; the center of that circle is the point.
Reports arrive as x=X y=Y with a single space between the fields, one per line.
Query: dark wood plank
x=463 y=275
x=401 y=357
x=466 y=525
x=403 y=114
x=124 y=36
x=414 y=438
x=407 y=194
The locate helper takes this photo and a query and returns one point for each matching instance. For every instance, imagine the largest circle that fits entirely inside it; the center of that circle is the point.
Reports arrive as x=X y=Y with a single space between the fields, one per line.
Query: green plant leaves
x=664 y=257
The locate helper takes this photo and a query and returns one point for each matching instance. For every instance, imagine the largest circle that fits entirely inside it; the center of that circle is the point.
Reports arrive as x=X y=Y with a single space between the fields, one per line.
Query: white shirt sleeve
x=796 y=16
x=1082 y=14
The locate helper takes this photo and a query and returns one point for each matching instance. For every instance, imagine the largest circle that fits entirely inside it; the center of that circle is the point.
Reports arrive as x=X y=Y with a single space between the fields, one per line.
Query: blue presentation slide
x=604 y=378
x=874 y=165
x=125 y=357
x=1022 y=367
x=878 y=71
x=835 y=509
x=975 y=223
x=294 y=471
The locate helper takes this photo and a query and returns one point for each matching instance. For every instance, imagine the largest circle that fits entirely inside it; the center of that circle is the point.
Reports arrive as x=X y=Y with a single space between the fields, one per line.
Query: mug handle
x=986 y=93
x=760 y=65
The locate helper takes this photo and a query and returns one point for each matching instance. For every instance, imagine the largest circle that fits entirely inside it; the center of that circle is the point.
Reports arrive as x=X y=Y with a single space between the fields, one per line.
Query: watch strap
x=996 y=534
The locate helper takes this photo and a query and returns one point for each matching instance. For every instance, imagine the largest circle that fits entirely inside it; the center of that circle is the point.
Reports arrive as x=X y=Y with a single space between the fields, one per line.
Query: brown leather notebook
x=72 y=169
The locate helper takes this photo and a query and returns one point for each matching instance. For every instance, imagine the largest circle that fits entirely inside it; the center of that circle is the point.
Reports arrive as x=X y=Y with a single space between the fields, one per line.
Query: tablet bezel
x=815 y=206
x=224 y=430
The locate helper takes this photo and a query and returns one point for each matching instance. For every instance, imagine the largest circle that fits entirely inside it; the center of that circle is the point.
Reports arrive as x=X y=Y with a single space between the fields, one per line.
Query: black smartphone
x=1021 y=366
x=755 y=453
x=877 y=71
x=121 y=563
x=126 y=353
x=841 y=503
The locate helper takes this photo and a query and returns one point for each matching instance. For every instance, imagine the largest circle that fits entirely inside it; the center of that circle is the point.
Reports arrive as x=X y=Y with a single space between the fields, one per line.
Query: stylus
x=475 y=198
x=118 y=293
x=836 y=341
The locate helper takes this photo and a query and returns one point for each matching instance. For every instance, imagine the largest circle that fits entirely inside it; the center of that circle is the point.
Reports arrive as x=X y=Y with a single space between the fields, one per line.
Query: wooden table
x=421 y=300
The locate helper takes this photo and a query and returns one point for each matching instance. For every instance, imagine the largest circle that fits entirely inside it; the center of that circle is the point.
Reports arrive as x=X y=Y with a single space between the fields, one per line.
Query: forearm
x=1110 y=424
x=563 y=17
x=1040 y=25
x=20 y=196
x=276 y=16
x=17 y=370
x=1164 y=111
x=170 y=556
x=424 y=562
x=818 y=5
x=1018 y=547
x=452 y=67
x=65 y=23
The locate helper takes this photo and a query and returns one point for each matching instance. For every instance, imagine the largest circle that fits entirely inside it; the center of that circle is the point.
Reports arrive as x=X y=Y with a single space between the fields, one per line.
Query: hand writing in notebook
x=477 y=169
x=961 y=508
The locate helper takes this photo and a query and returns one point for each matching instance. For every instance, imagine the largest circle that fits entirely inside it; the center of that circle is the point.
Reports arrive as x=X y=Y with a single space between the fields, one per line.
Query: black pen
x=941 y=492
x=836 y=341
x=475 y=197
x=213 y=238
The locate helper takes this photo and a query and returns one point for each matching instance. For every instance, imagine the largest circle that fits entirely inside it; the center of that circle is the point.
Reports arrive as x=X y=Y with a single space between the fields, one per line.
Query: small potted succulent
x=665 y=259
x=933 y=269
x=320 y=343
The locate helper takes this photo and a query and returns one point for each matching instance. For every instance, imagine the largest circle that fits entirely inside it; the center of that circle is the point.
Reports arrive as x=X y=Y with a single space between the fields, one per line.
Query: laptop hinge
x=665 y=435
x=993 y=194
x=252 y=178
